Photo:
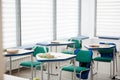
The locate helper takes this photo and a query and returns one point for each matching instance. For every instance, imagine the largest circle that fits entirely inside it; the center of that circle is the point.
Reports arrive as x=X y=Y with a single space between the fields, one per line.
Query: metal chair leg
x=35 y=72
x=37 y=67
x=97 y=66
x=111 y=70
x=60 y=74
x=116 y=64
x=72 y=76
x=18 y=70
x=91 y=70
x=80 y=77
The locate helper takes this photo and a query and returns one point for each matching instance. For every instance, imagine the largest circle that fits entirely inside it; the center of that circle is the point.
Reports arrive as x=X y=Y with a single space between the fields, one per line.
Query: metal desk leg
x=49 y=71
x=113 y=64
x=117 y=77
x=10 y=72
x=41 y=71
x=32 y=67
x=56 y=66
x=74 y=74
x=51 y=48
x=74 y=69
x=91 y=69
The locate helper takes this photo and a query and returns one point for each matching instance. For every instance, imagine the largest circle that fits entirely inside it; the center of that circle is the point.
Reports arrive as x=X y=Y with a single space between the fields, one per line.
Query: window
x=36 y=21
x=9 y=23
x=108 y=18
x=67 y=18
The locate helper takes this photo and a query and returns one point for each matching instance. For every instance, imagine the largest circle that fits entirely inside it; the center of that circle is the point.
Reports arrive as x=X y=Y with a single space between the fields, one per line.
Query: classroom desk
x=57 y=57
x=21 y=52
x=55 y=43
x=80 y=37
x=102 y=46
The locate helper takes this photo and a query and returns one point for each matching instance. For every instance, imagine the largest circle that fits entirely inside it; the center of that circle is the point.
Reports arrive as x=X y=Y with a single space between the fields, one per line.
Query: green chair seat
x=71 y=69
x=106 y=55
x=36 y=65
x=28 y=64
x=84 y=57
x=67 y=52
x=102 y=59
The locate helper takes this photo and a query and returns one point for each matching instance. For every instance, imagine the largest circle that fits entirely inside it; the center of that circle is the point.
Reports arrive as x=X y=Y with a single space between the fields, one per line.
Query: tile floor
x=26 y=73
x=65 y=75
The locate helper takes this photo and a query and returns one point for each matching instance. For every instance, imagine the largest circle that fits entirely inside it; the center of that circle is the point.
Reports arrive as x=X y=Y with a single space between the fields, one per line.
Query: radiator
x=16 y=61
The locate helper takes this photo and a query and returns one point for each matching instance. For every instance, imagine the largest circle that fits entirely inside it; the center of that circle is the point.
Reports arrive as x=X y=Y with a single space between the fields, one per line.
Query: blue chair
x=84 y=58
x=34 y=64
x=106 y=55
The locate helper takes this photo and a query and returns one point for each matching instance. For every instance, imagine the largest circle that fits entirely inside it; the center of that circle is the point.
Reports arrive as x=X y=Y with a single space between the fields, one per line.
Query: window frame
x=18 y=20
x=95 y=26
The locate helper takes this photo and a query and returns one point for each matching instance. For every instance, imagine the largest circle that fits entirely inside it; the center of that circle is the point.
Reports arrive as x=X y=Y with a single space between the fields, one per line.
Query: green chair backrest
x=105 y=50
x=84 y=56
x=39 y=49
x=78 y=43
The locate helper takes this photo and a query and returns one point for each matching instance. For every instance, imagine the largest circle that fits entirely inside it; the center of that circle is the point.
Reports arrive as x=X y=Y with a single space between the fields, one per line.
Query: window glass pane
x=36 y=21
x=108 y=18
x=67 y=18
x=9 y=23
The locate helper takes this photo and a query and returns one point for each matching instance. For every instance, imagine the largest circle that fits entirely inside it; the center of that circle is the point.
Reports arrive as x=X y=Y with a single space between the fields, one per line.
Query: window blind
x=108 y=18
x=36 y=21
x=9 y=23
x=67 y=18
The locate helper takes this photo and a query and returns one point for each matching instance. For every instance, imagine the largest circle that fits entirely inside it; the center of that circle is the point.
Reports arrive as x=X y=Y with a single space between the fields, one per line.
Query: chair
x=35 y=64
x=106 y=55
x=78 y=45
x=84 y=58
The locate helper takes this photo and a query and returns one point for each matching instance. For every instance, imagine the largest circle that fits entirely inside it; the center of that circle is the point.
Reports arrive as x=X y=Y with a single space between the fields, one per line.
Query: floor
x=26 y=73
x=66 y=75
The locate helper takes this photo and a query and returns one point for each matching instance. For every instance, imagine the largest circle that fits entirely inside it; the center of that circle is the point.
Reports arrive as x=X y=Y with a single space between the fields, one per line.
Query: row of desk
x=62 y=57
x=21 y=52
x=59 y=57
x=29 y=52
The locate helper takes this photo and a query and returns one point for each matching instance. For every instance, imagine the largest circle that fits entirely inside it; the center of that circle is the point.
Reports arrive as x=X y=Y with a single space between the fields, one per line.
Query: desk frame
x=97 y=48
x=60 y=43
x=69 y=57
x=25 y=52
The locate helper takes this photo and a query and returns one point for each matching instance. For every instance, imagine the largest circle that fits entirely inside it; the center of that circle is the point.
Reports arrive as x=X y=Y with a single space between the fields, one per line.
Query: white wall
x=87 y=27
x=87 y=17
x=1 y=50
